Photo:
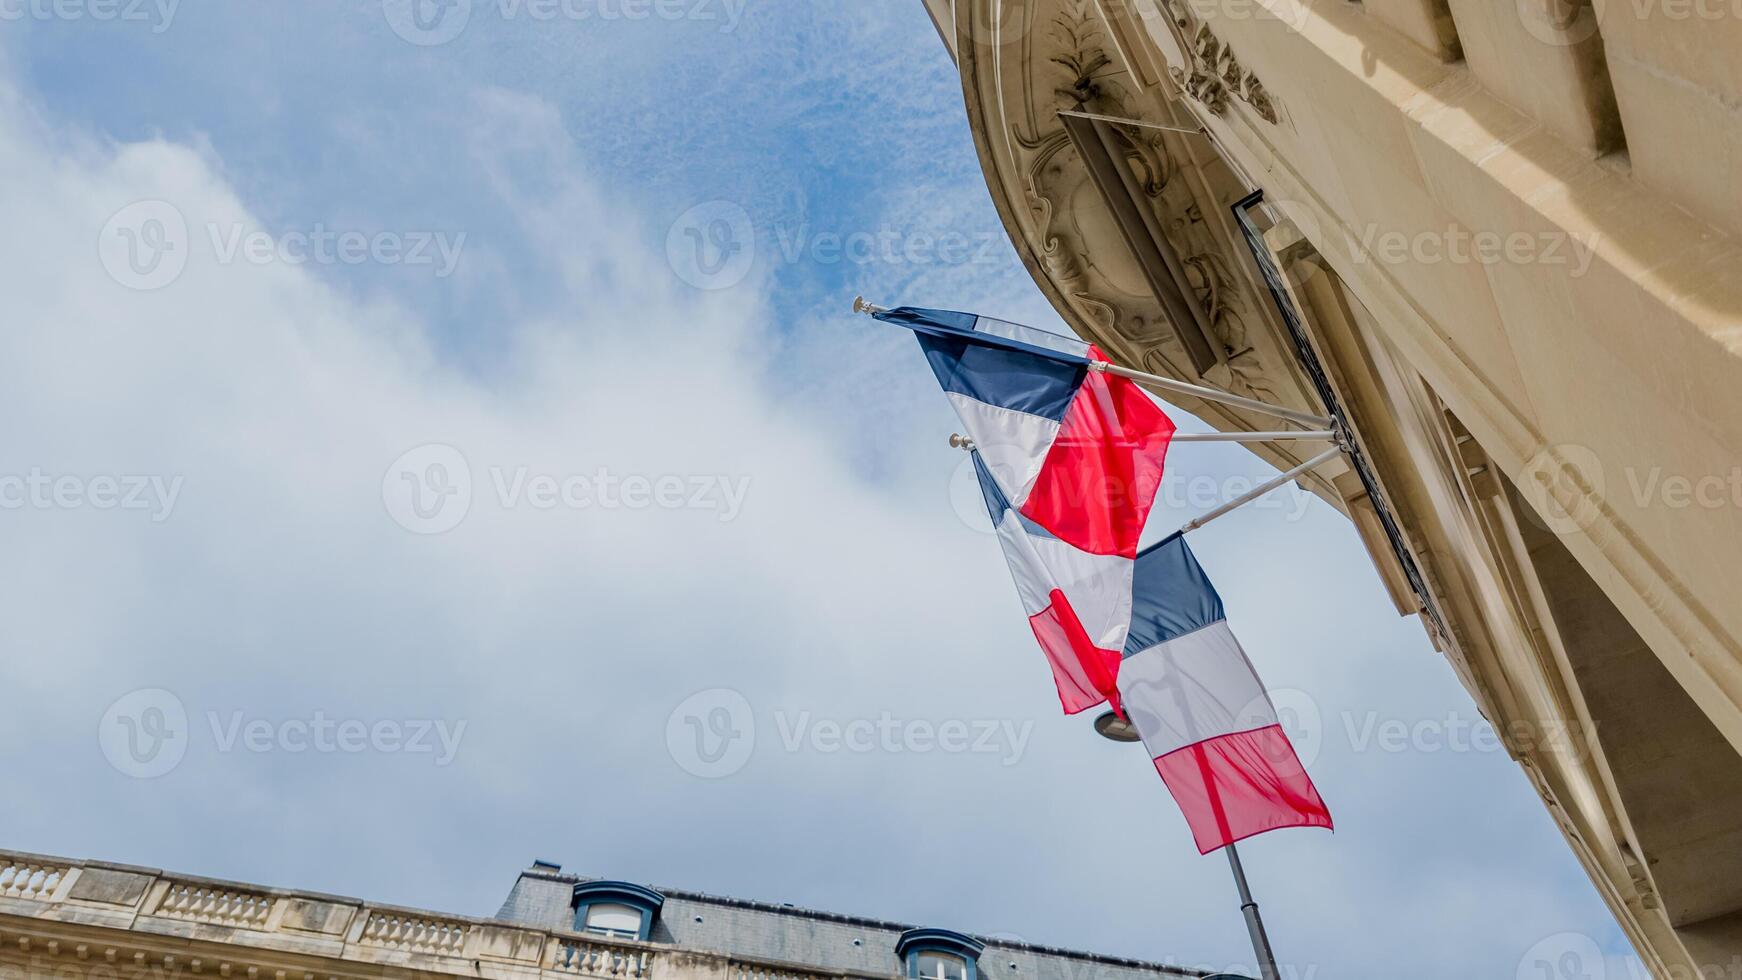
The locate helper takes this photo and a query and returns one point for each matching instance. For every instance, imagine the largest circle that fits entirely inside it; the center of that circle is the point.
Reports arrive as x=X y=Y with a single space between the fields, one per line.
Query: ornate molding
x=1052 y=55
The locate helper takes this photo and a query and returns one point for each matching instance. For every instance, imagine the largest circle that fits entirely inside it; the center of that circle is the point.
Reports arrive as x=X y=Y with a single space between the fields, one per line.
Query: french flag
x=1070 y=459
x=1204 y=717
x=1077 y=451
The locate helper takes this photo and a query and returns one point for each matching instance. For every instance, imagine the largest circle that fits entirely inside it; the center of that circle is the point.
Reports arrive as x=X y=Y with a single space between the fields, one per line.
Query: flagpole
x=1262 y=489
x=1168 y=384
x=1213 y=395
x=1254 y=923
x=1117 y=729
x=1289 y=435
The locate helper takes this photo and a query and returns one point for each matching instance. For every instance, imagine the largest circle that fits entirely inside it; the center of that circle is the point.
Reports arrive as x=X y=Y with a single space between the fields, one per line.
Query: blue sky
x=825 y=565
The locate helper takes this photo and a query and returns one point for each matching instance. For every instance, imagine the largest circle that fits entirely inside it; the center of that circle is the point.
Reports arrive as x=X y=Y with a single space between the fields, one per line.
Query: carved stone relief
x=1215 y=74
x=1062 y=62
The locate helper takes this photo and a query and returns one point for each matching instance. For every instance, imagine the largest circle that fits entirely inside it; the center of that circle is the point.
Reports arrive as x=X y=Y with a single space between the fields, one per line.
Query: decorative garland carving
x=1215 y=73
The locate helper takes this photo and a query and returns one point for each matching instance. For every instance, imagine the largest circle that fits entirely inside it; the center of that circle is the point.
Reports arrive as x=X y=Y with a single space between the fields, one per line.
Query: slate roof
x=828 y=941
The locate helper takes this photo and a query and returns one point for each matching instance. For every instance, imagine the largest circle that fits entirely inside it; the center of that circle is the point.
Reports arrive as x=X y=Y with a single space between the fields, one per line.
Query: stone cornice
x=118 y=922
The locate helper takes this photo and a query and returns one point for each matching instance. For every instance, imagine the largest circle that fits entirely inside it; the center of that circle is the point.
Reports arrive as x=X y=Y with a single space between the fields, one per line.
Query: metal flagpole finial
x=860 y=306
x=959 y=441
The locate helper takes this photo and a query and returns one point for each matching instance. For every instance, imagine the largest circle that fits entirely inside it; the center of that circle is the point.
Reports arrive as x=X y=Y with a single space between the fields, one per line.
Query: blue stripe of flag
x=1170 y=595
x=997 y=504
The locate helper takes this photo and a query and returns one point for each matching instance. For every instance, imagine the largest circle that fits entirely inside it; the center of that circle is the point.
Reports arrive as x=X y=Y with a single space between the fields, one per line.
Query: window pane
x=614 y=920
x=941 y=966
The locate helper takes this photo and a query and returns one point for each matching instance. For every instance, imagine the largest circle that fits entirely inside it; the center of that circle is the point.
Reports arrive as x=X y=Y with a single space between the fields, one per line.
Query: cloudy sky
x=418 y=458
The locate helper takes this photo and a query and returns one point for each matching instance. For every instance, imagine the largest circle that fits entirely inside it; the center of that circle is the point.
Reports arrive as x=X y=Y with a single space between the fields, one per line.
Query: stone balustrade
x=143 y=924
x=24 y=877
x=598 y=958
x=416 y=933
x=750 y=970
x=208 y=903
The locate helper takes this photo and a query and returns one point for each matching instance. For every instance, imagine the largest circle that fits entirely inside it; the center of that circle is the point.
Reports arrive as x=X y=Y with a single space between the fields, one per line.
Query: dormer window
x=611 y=919
x=938 y=954
x=617 y=909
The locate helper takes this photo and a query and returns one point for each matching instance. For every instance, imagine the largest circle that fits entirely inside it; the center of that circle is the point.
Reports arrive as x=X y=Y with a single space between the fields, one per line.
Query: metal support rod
x=1213 y=395
x=1284 y=436
x=1262 y=489
x=1121 y=120
x=1254 y=924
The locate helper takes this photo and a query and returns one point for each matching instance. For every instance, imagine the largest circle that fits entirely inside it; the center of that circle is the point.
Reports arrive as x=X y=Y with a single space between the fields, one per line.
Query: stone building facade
x=64 y=919
x=1499 y=240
